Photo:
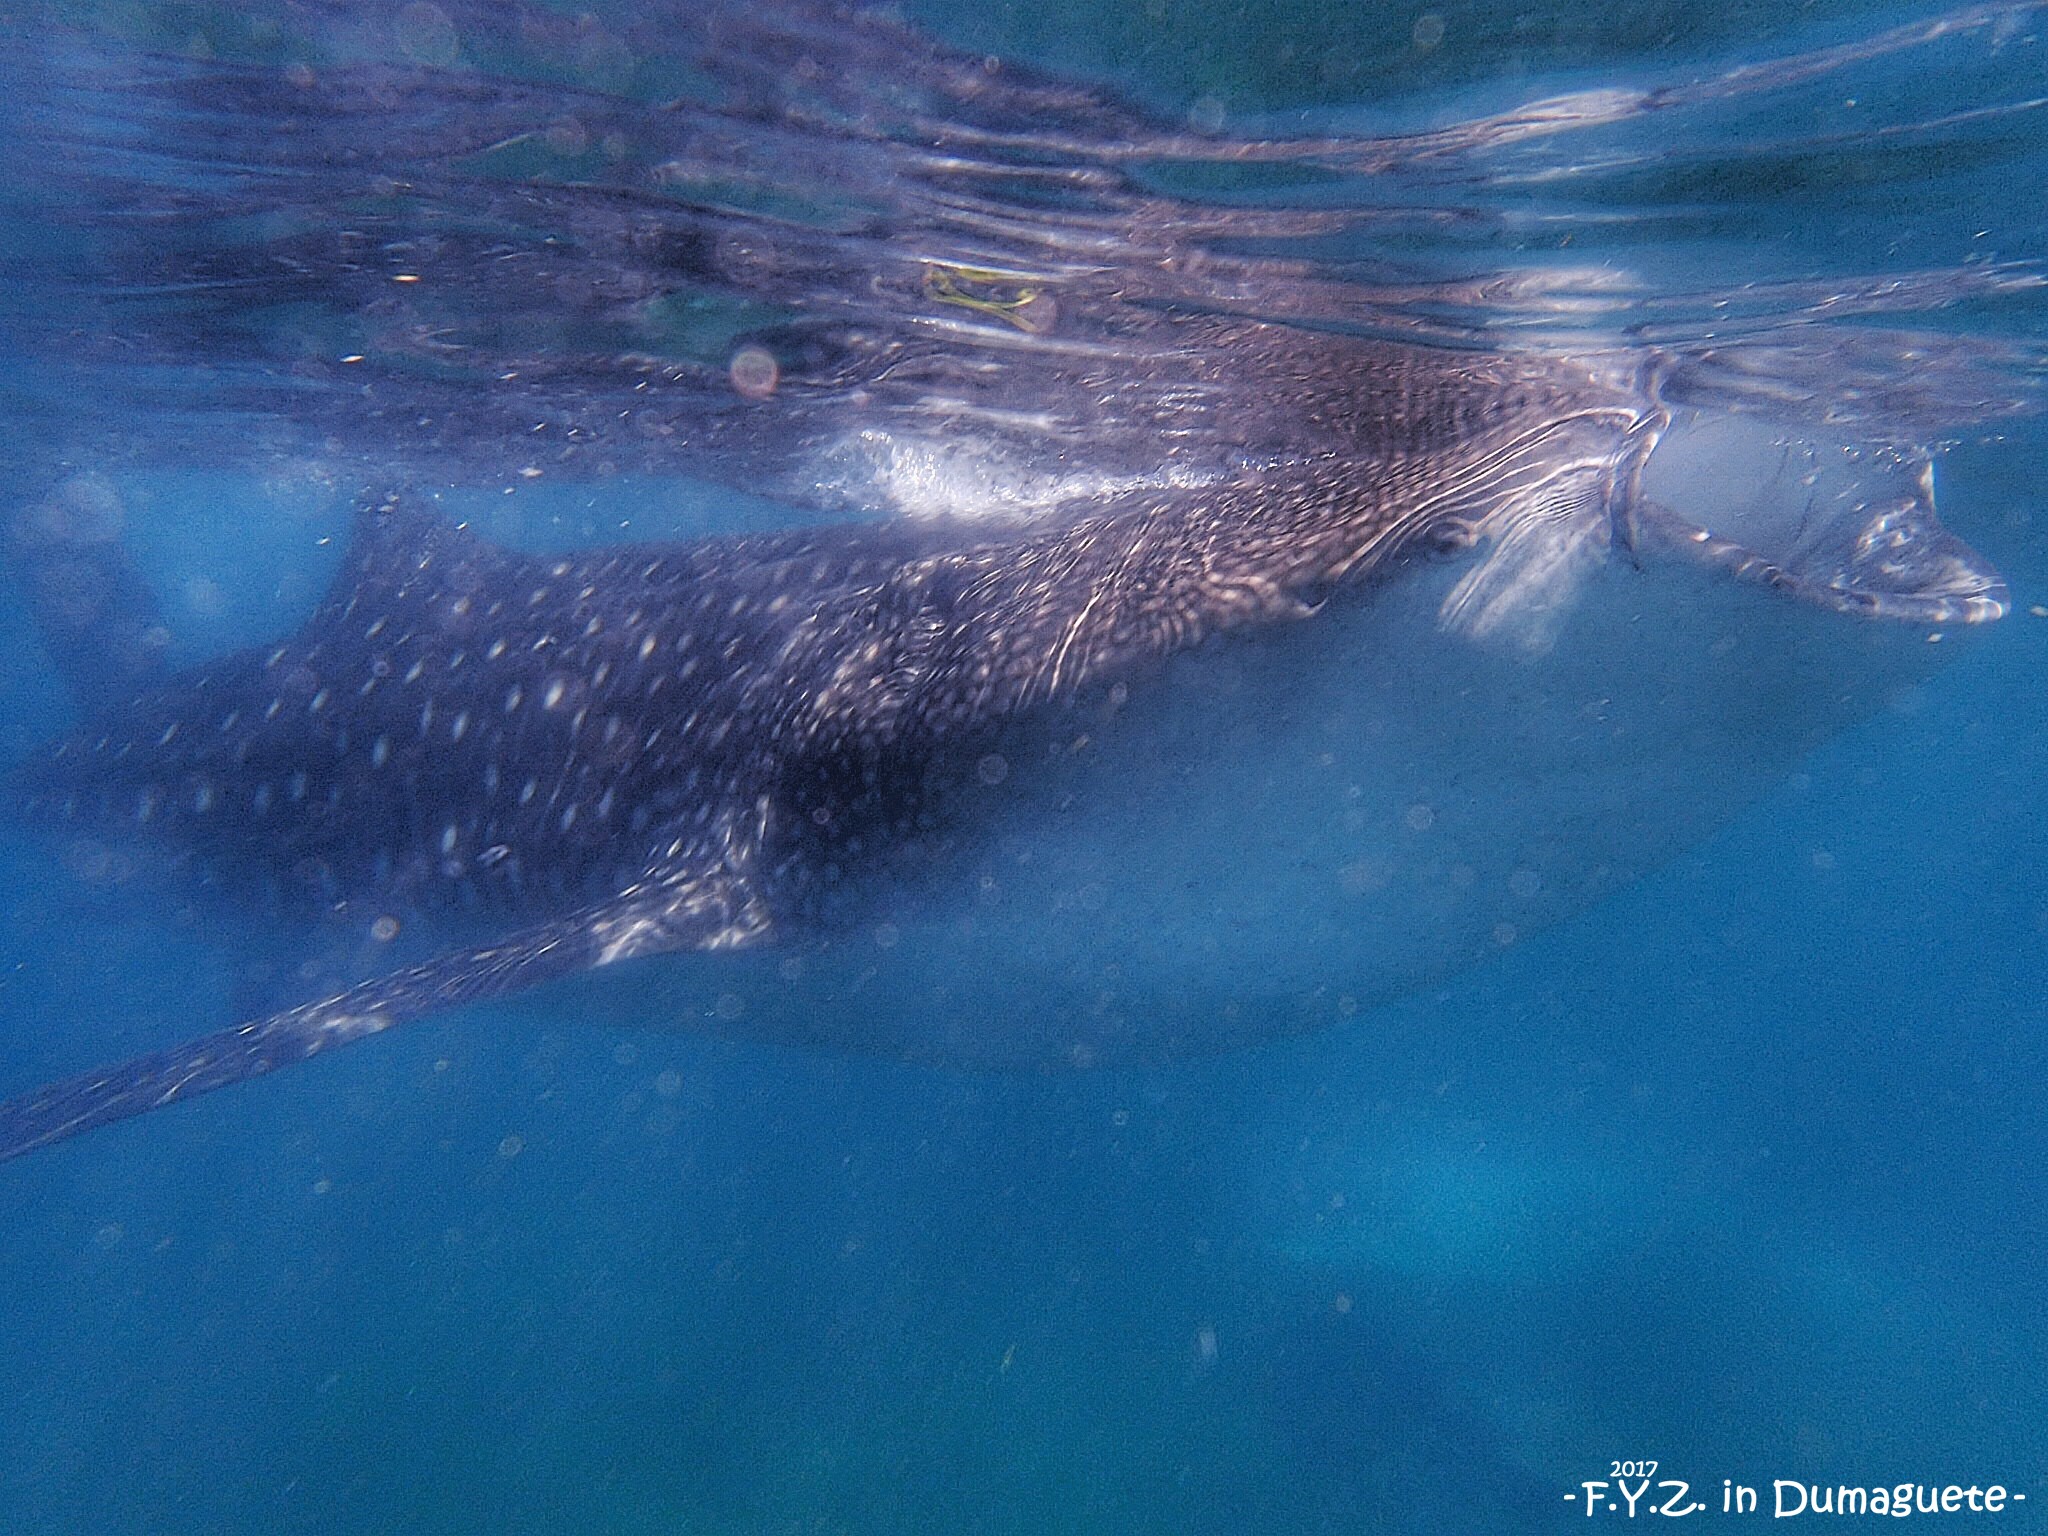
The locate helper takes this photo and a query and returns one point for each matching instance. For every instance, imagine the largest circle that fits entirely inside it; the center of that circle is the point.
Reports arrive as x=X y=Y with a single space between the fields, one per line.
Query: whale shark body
x=726 y=743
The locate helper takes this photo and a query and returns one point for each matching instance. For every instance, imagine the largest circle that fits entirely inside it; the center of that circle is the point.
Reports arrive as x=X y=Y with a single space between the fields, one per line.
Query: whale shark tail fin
x=1845 y=524
x=714 y=909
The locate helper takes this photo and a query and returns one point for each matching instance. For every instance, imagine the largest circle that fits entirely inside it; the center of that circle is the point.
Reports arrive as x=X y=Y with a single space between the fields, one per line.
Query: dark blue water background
x=1739 y=1171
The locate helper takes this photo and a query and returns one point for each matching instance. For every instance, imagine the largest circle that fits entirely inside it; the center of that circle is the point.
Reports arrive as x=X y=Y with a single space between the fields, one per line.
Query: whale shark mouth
x=1848 y=525
x=1851 y=526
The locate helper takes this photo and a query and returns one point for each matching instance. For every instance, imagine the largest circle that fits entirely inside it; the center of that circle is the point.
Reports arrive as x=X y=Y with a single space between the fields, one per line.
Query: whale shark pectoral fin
x=1537 y=546
x=711 y=911
x=1850 y=526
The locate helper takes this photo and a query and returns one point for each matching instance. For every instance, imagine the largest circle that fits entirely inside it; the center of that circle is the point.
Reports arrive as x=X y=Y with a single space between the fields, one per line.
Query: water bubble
x=1362 y=875
x=662 y=1120
x=568 y=136
x=604 y=62
x=93 y=863
x=754 y=373
x=426 y=35
x=205 y=598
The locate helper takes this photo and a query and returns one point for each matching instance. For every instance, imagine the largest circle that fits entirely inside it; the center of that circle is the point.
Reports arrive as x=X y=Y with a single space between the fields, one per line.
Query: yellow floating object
x=1026 y=306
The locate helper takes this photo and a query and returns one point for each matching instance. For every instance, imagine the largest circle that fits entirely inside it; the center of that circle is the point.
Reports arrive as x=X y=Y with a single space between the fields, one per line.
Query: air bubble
x=754 y=373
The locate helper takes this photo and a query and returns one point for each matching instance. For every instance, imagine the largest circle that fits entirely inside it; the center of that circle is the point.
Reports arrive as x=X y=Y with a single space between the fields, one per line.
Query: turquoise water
x=1734 y=1170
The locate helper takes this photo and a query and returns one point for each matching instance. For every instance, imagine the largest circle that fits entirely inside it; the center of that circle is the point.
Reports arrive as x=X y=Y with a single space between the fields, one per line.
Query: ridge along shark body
x=707 y=735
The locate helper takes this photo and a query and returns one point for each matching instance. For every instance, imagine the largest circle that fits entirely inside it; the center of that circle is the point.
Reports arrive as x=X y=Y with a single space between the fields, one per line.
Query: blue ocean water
x=1734 y=1171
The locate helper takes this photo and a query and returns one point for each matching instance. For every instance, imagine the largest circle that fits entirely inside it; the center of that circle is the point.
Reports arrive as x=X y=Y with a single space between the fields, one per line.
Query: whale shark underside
x=703 y=745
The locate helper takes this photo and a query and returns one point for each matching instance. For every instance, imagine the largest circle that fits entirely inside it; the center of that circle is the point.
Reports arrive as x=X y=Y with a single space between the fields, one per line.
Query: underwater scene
x=1153 y=766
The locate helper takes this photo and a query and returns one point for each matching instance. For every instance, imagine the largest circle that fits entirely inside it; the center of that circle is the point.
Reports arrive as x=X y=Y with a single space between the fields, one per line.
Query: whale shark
x=1047 y=471
x=712 y=733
